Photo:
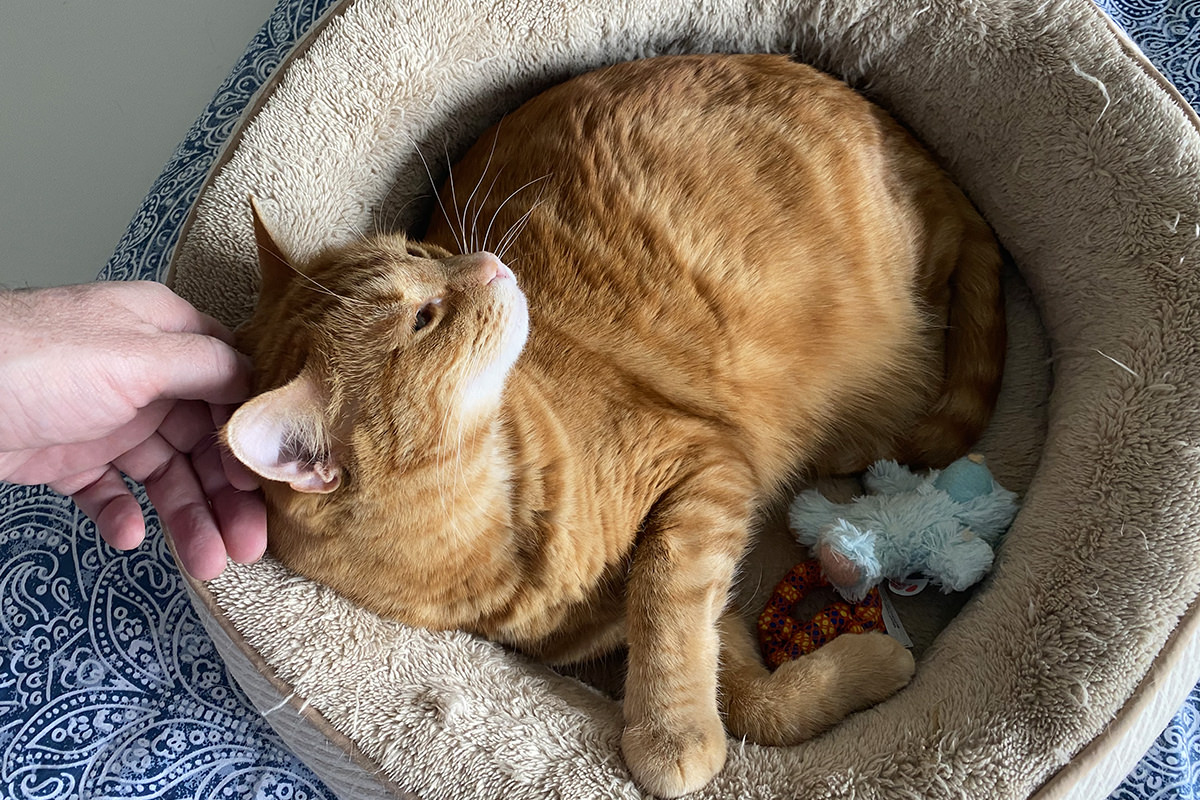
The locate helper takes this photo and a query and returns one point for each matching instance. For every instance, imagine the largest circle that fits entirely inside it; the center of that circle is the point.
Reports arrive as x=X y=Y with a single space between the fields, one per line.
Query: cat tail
x=974 y=355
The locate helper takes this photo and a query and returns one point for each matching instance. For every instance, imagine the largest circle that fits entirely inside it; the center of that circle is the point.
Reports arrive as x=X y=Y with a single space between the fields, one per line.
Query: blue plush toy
x=943 y=525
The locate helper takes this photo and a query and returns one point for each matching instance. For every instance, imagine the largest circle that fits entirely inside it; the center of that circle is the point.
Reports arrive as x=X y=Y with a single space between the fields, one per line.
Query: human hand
x=108 y=378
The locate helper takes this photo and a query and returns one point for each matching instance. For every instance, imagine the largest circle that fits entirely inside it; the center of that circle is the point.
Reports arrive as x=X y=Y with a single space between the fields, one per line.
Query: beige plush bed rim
x=1060 y=670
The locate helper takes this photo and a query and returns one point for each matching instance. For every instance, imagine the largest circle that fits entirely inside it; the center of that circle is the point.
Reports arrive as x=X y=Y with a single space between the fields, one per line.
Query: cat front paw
x=667 y=762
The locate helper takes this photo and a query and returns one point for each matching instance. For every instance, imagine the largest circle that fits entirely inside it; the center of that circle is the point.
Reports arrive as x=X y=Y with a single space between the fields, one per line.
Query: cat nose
x=491 y=269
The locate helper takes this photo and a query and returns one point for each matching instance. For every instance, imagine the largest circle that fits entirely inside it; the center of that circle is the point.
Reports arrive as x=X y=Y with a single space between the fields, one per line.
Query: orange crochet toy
x=783 y=638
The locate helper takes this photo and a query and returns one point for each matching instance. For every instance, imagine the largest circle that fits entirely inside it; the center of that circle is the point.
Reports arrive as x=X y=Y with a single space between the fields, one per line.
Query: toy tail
x=974 y=356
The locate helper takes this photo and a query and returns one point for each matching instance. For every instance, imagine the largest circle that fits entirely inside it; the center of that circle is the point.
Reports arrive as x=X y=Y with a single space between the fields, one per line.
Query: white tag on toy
x=908 y=587
x=891 y=621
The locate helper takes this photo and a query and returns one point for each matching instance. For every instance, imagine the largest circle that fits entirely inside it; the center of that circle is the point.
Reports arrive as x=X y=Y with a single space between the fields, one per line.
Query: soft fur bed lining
x=1087 y=169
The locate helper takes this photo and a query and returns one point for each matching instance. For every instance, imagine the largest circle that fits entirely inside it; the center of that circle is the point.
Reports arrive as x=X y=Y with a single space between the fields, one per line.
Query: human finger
x=107 y=501
x=185 y=511
x=182 y=505
x=62 y=462
x=156 y=304
x=242 y=518
x=188 y=425
x=241 y=515
x=196 y=367
x=191 y=427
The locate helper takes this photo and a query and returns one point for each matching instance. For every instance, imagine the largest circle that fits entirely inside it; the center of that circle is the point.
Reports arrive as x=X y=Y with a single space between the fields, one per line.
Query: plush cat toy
x=942 y=525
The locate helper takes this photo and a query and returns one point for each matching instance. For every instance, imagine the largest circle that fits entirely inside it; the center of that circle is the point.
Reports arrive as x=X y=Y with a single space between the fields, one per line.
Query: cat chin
x=481 y=393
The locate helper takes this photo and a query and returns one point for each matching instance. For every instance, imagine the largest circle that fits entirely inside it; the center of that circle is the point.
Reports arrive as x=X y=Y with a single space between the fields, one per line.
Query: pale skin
x=109 y=379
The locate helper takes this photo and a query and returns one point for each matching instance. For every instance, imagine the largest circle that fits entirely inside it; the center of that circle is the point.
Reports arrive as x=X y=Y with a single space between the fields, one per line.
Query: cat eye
x=426 y=314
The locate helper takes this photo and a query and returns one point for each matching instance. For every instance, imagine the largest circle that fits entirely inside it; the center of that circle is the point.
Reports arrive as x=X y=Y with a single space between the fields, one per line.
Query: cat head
x=372 y=359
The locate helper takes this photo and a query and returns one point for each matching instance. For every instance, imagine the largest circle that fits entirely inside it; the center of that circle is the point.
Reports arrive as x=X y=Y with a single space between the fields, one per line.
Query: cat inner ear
x=274 y=263
x=282 y=435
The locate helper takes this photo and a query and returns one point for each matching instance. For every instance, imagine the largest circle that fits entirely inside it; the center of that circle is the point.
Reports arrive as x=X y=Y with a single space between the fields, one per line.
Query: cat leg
x=804 y=697
x=683 y=566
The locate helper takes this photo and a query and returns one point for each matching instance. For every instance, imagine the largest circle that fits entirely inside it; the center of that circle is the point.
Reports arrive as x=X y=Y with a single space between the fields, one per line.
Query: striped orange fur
x=728 y=270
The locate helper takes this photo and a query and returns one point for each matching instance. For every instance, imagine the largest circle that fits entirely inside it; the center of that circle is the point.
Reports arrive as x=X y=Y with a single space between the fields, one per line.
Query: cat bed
x=1056 y=675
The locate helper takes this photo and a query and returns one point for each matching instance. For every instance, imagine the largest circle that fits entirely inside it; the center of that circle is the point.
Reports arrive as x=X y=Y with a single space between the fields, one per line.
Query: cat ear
x=273 y=261
x=282 y=436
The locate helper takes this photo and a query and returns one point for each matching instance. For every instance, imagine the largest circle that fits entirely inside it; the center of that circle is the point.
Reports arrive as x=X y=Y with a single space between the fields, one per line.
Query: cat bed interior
x=1056 y=674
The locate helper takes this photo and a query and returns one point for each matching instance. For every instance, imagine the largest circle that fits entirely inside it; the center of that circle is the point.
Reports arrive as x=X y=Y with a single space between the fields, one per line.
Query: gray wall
x=94 y=96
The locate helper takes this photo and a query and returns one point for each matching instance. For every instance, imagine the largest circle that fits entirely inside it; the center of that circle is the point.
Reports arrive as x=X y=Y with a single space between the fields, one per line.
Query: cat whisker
x=478 y=183
x=344 y=219
x=448 y=491
x=320 y=286
x=377 y=226
x=460 y=476
x=514 y=231
x=476 y=246
x=503 y=204
x=462 y=224
x=441 y=205
x=394 y=217
x=439 y=456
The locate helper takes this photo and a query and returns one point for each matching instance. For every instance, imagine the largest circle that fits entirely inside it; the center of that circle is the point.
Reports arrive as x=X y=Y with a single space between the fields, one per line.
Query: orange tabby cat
x=731 y=268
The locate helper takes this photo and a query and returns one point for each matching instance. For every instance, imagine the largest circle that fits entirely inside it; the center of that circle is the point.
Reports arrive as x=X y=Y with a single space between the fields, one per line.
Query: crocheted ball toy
x=942 y=525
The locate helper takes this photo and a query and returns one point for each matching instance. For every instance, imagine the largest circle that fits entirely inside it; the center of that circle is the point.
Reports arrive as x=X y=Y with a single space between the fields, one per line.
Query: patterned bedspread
x=110 y=687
